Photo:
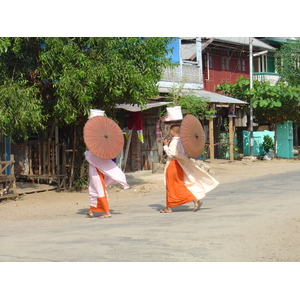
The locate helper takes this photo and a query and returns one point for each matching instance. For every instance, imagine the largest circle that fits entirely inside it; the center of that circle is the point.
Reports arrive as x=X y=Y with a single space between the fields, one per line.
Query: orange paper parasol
x=192 y=136
x=103 y=137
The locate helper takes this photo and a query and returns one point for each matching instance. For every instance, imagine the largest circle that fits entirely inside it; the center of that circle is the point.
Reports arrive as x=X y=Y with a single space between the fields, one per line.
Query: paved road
x=257 y=220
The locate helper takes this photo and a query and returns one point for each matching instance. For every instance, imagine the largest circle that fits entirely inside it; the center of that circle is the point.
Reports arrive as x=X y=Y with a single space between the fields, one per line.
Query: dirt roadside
x=52 y=204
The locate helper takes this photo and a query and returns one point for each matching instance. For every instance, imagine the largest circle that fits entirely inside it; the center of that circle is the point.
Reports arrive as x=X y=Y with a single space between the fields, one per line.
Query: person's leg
x=102 y=207
x=102 y=202
x=197 y=204
x=176 y=192
x=105 y=215
x=89 y=213
x=166 y=210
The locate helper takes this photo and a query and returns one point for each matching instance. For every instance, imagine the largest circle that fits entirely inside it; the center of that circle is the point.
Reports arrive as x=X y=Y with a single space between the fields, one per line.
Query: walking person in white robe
x=102 y=173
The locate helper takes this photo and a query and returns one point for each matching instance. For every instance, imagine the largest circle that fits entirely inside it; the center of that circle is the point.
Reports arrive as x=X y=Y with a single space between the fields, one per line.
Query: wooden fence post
x=231 y=157
x=211 y=140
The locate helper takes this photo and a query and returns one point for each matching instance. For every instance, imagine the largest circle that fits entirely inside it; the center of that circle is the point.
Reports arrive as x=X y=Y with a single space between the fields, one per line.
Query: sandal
x=105 y=216
x=165 y=211
x=90 y=214
x=197 y=207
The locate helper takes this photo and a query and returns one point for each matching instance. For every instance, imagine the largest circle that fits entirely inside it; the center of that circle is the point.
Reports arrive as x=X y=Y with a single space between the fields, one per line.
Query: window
x=225 y=63
x=208 y=61
x=241 y=65
x=265 y=63
x=262 y=63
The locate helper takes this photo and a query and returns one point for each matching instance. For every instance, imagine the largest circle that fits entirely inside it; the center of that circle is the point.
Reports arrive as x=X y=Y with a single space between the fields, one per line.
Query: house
x=264 y=68
x=202 y=64
x=225 y=59
x=205 y=62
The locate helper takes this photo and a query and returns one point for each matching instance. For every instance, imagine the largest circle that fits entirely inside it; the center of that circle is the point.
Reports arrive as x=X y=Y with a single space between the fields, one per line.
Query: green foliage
x=4 y=44
x=64 y=77
x=239 y=90
x=271 y=104
x=20 y=109
x=288 y=62
x=101 y=72
x=190 y=103
x=197 y=106
x=268 y=143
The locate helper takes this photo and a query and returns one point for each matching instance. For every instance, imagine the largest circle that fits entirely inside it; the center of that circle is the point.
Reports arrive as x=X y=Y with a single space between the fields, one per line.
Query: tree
x=63 y=77
x=288 y=62
x=101 y=72
x=271 y=104
x=20 y=103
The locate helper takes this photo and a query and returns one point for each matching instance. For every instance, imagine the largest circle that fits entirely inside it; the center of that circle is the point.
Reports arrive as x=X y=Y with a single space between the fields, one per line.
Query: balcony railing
x=186 y=73
x=266 y=76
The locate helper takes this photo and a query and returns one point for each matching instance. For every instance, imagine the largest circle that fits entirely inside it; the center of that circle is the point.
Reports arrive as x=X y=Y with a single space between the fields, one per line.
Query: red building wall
x=223 y=68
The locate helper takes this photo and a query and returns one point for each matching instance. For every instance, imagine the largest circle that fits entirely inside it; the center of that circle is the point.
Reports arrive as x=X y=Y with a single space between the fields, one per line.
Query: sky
x=147 y=18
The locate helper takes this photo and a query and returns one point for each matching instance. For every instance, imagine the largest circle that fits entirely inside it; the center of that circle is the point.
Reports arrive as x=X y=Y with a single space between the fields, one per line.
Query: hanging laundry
x=135 y=121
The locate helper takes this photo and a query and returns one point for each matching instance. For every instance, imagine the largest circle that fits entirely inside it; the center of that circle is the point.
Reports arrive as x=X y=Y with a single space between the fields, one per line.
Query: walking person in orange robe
x=185 y=181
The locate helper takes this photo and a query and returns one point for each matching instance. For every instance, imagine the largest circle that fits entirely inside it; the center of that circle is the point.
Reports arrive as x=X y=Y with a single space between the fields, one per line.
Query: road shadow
x=131 y=180
x=96 y=214
x=181 y=208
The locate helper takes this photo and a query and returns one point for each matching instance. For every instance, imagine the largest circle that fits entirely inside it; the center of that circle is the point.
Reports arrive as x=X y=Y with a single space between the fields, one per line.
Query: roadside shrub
x=268 y=143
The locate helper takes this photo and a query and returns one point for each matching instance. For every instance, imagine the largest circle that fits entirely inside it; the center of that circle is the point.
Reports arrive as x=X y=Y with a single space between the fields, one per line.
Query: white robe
x=196 y=180
x=112 y=175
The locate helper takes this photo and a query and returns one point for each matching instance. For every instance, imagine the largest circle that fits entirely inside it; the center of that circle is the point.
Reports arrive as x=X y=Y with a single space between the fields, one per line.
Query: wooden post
x=44 y=169
x=48 y=156
x=12 y=172
x=127 y=150
x=231 y=134
x=40 y=157
x=64 y=162
x=30 y=157
x=53 y=158
x=35 y=164
x=57 y=159
x=64 y=171
x=211 y=140
x=73 y=159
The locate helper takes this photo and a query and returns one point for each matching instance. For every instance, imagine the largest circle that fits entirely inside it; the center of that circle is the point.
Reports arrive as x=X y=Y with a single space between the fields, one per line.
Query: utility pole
x=199 y=59
x=251 y=86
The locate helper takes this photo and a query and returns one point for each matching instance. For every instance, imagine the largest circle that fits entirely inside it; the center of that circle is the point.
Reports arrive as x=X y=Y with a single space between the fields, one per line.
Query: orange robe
x=184 y=180
x=177 y=192
x=102 y=202
x=102 y=173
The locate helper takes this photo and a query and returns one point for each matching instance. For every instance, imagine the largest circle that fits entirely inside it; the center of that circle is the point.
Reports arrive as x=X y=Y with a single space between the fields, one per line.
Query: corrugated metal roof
x=135 y=107
x=210 y=96
x=245 y=41
x=218 y=98
x=188 y=51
